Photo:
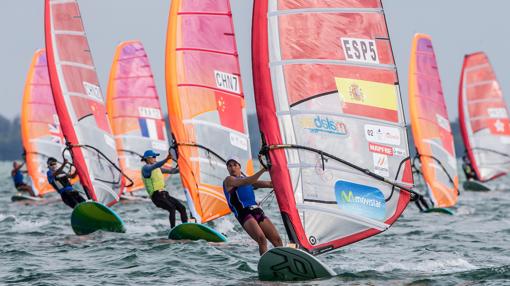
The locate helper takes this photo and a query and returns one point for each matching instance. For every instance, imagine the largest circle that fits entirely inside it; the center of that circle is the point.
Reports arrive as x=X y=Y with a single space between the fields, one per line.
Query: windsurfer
x=238 y=190
x=17 y=177
x=468 y=170
x=152 y=176
x=60 y=181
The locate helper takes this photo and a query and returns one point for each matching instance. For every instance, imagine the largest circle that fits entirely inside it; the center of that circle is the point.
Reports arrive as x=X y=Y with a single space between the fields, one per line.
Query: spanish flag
x=368 y=99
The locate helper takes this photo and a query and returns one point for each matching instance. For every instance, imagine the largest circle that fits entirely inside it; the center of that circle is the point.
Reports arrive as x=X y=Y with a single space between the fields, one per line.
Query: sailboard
x=134 y=111
x=206 y=103
x=195 y=231
x=331 y=120
x=40 y=127
x=80 y=103
x=430 y=125
x=484 y=121
x=89 y=217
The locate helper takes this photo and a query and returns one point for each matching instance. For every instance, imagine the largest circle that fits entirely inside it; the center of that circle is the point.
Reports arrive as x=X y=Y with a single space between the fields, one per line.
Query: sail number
x=227 y=81
x=360 y=50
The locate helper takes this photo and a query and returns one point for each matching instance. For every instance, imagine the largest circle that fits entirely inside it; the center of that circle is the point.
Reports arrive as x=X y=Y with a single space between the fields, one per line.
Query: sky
x=457 y=27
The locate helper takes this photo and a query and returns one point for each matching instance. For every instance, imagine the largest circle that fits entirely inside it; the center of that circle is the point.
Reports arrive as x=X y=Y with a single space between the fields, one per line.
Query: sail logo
x=93 y=91
x=381 y=149
x=382 y=134
x=497 y=112
x=323 y=124
x=360 y=50
x=381 y=165
x=360 y=200
x=149 y=112
x=226 y=81
x=356 y=93
x=238 y=141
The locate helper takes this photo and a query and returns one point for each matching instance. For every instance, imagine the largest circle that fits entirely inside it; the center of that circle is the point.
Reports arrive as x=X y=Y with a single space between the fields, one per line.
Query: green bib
x=156 y=182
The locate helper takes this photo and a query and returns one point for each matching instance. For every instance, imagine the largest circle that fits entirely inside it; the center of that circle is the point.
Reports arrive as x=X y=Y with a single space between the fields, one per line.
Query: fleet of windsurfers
x=18 y=178
x=239 y=191
x=61 y=182
x=154 y=181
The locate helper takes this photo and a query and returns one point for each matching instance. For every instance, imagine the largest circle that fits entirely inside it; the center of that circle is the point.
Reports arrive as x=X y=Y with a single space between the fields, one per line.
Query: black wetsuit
x=60 y=182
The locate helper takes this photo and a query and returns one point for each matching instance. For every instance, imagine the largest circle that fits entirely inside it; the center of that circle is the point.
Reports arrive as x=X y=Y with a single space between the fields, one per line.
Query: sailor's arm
x=263 y=184
x=232 y=182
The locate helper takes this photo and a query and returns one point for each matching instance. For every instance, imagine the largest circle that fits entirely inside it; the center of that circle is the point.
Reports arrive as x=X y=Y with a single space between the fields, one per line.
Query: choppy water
x=38 y=247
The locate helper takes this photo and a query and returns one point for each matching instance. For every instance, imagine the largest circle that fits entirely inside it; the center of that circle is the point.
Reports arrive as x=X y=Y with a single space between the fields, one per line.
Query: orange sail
x=430 y=124
x=134 y=110
x=40 y=127
x=205 y=101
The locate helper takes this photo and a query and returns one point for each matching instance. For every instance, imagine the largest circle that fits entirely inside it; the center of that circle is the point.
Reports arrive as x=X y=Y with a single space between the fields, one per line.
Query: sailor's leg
x=253 y=229
x=271 y=232
x=161 y=201
x=180 y=208
x=68 y=200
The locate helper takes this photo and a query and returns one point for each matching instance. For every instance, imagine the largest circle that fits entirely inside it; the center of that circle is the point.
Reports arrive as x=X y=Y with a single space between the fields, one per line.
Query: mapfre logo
x=323 y=124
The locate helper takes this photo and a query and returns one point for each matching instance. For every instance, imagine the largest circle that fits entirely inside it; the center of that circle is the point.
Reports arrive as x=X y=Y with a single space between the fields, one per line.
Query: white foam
x=7 y=218
x=27 y=226
x=429 y=266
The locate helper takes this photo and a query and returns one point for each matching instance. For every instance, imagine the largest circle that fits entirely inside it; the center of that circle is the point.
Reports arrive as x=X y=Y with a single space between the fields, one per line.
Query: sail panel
x=79 y=101
x=430 y=124
x=325 y=79
x=134 y=110
x=483 y=116
x=205 y=101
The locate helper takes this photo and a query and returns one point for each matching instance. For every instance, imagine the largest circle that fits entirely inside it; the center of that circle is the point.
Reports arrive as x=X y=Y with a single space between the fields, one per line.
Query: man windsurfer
x=238 y=190
x=60 y=181
x=152 y=176
x=17 y=177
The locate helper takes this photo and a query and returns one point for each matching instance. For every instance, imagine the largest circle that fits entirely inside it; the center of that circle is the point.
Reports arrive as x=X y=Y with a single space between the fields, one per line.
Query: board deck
x=288 y=264
x=195 y=231
x=440 y=210
x=475 y=186
x=89 y=217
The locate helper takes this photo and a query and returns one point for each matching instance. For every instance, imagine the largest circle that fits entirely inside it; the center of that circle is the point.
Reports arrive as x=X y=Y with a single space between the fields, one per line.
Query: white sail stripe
x=75 y=64
x=368 y=222
x=70 y=32
x=450 y=185
x=432 y=142
x=273 y=64
x=476 y=67
x=479 y=83
x=212 y=162
x=491 y=99
x=107 y=187
x=306 y=112
x=82 y=95
x=324 y=10
x=481 y=117
x=214 y=125
x=54 y=2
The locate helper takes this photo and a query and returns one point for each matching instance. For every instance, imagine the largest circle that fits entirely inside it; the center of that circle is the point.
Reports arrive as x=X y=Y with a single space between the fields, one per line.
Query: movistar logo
x=349 y=197
x=324 y=124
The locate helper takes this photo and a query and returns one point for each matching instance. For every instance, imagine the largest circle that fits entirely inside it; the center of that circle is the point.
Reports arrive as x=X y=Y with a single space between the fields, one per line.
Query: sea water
x=38 y=247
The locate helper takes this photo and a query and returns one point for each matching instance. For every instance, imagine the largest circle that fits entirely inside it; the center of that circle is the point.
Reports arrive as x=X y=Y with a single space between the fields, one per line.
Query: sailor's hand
x=65 y=161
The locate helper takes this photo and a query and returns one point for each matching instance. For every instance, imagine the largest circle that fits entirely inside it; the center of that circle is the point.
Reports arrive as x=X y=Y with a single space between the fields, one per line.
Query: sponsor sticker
x=93 y=91
x=149 y=112
x=365 y=201
x=499 y=126
x=443 y=122
x=497 y=112
x=382 y=134
x=380 y=149
x=323 y=124
x=381 y=165
x=399 y=152
x=227 y=81
x=360 y=50
x=238 y=141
